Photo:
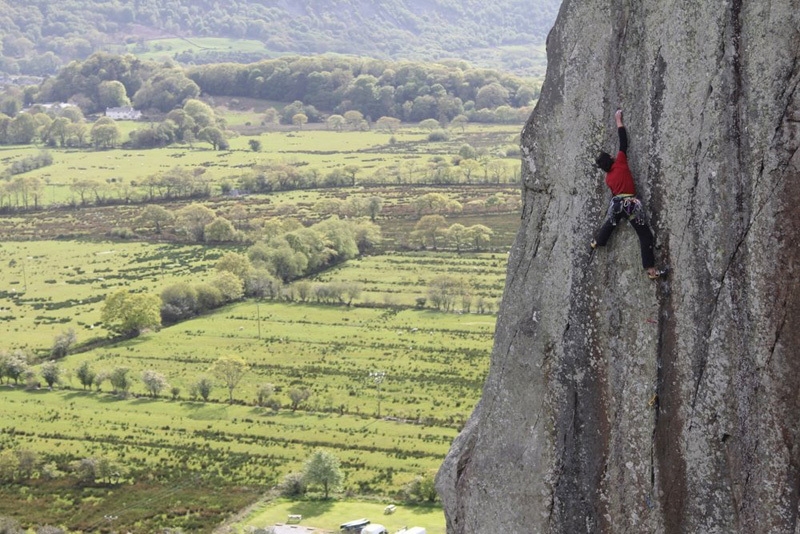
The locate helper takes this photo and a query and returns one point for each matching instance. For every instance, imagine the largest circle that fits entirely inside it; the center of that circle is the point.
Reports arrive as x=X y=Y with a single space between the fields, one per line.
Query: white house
x=124 y=113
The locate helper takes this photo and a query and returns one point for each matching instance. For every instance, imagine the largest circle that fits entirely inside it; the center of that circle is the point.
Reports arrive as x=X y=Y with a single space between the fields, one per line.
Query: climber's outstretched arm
x=623 y=135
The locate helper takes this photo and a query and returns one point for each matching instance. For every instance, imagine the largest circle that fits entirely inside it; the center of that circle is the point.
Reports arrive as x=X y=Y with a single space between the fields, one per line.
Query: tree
x=58 y=133
x=128 y=314
x=238 y=264
x=457 y=233
x=51 y=373
x=323 y=469
x=213 y=135
x=434 y=203
x=155 y=216
x=230 y=369
x=220 y=230
x=202 y=388
x=299 y=119
x=430 y=124
x=374 y=207
x=230 y=286
x=429 y=229
x=297 y=396
x=480 y=235
x=193 y=219
x=460 y=121
x=287 y=263
x=260 y=283
x=389 y=124
x=62 y=343
x=154 y=382
x=336 y=122
x=105 y=133
x=85 y=375
x=208 y=297
x=111 y=94
x=9 y=466
x=367 y=235
x=83 y=186
x=22 y=129
x=421 y=489
x=13 y=366
x=255 y=145
x=352 y=170
x=120 y=380
x=264 y=393
x=165 y=91
x=201 y=113
x=491 y=96
x=444 y=290
x=292 y=485
x=178 y=302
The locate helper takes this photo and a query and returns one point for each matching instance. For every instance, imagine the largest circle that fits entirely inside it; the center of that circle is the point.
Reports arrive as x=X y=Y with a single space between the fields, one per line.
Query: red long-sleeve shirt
x=619 y=179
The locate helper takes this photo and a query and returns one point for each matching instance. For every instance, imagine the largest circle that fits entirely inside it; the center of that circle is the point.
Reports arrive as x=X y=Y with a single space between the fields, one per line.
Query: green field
x=434 y=365
x=191 y=464
x=381 y=158
x=328 y=516
x=165 y=49
x=50 y=286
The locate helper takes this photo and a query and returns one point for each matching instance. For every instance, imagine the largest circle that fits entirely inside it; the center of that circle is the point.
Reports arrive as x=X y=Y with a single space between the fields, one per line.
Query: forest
x=40 y=36
x=341 y=91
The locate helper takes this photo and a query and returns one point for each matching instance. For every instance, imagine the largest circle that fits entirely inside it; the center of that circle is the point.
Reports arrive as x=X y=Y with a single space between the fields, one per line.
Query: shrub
x=292 y=485
x=438 y=136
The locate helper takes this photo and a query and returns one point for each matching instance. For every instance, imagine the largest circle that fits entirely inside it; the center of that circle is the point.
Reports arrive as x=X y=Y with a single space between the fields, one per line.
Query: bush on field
x=178 y=301
x=292 y=485
x=438 y=136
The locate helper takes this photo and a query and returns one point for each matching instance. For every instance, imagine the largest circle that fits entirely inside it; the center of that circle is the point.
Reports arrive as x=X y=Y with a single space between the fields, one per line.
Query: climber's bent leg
x=645 y=243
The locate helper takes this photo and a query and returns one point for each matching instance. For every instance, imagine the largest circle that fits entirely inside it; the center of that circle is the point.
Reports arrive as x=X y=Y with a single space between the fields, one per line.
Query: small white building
x=124 y=113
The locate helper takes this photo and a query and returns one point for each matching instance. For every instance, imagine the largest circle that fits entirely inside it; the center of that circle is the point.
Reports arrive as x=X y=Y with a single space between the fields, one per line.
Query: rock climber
x=624 y=204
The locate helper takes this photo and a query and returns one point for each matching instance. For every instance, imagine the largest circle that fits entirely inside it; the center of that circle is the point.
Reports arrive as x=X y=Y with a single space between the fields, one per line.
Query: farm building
x=123 y=113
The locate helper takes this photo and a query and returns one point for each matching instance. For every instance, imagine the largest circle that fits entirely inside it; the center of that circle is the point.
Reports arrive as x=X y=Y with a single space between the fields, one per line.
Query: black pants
x=628 y=208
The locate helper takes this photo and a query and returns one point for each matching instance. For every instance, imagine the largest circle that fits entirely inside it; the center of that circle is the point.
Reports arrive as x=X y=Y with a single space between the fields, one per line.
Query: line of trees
x=333 y=84
x=313 y=87
x=433 y=231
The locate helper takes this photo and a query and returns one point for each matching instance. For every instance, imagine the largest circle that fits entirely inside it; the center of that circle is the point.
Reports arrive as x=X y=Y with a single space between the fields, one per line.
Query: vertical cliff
x=613 y=403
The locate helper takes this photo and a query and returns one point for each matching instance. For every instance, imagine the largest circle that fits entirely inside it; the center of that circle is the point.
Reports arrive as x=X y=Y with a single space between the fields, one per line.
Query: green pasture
x=397 y=218
x=328 y=515
x=163 y=49
x=402 y=157
x=400 y=278
x=435 y=362
x=48 y=287
x=176 y=447
x=241 y=445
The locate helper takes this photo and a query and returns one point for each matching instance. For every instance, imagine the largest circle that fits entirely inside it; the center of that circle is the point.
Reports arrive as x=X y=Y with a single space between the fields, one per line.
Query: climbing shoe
x=655 y=274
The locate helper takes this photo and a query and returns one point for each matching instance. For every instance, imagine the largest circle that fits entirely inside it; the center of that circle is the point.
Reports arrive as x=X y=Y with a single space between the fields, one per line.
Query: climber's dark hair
x=604 y=161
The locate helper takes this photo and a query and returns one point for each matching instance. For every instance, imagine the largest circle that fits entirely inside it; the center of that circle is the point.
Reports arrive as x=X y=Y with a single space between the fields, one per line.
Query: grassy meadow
x=403 y=157
x=185 y=463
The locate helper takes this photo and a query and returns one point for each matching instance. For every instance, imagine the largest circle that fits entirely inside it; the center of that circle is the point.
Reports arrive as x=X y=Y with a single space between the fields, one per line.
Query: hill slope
x=39 y=34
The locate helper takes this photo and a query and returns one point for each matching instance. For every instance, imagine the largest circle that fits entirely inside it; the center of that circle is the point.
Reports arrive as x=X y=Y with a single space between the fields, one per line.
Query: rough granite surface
x=613 y=403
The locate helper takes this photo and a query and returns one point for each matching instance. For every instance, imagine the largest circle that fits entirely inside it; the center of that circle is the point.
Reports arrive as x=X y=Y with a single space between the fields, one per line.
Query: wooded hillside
x=38 y=36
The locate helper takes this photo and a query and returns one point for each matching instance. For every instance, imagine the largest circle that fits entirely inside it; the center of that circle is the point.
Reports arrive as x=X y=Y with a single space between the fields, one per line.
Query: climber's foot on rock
x=655 y=274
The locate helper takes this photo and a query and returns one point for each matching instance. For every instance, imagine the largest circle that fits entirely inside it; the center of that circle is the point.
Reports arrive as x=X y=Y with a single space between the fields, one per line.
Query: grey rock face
x=613 y=403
